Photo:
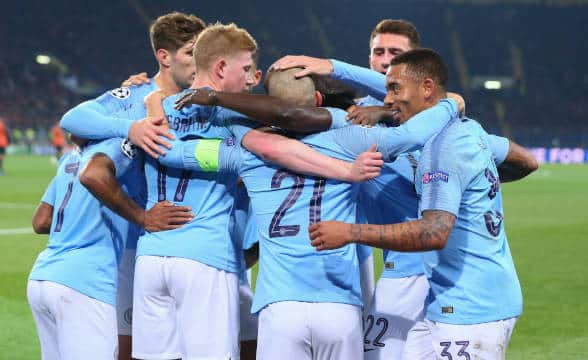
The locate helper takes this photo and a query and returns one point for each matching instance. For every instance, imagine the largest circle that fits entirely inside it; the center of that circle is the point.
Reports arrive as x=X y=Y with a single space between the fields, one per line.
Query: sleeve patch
x=128 y=149
x=206 y=153
x=121 y=93
x=435 y=176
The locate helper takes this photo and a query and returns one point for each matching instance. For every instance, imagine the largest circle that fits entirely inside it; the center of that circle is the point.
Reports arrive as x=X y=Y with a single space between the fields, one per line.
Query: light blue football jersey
x=238 y=225
x=207 y=238
x=389 y=199
x=285 y=203
x=86 y=238
x=370 y=81
x=473 y=278
x=109 y=115
x=368 y=101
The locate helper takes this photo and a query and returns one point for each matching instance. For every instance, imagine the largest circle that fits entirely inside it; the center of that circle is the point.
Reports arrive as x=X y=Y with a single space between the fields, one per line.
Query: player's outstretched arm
x=370 y=81
x=264 y=109
x=42 y=218
x=519 y=163
x=92 y=120
x=301 y=158
x=428 y=233
x=96 y=119
x=414 y=133
x=207 y=155
x=99 y=177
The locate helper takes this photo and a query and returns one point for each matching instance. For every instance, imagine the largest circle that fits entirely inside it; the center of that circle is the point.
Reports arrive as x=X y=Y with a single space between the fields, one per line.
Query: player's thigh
x=248 y=349
x=44 y=320
x=336 y=331
x=154 y=312
x=86 y=327
x=398 y=304
x=124 y=347
x=284 y=331
x=207 y=301
x=247 y=320
x=478 y=341
x=124 y=293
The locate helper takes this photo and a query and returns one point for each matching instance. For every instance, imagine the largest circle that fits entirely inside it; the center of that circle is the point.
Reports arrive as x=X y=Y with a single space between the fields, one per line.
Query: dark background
x=539 y=47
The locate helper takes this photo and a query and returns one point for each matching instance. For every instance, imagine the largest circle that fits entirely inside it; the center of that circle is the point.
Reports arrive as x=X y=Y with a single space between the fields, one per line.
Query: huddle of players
x=185 y=296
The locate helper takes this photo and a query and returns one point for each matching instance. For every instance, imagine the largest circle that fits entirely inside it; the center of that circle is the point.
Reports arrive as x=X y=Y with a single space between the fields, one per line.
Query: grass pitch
x=545 y=218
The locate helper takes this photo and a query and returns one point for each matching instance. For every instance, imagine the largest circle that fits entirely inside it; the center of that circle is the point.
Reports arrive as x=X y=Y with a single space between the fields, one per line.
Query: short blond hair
x=219 y=40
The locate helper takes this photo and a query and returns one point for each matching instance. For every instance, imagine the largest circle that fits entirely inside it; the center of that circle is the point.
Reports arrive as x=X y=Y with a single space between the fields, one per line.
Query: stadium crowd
x=523 y=111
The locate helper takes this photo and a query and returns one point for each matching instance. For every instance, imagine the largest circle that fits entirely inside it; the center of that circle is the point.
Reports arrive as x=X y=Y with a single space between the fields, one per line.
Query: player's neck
x=434 y=100
x=164 y=81
x=205 y=80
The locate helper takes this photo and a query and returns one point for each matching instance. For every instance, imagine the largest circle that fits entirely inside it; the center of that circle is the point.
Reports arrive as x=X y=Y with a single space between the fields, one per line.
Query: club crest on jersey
x=128 y=149
x=230 y=141
x=435 y=176
x=121 y=93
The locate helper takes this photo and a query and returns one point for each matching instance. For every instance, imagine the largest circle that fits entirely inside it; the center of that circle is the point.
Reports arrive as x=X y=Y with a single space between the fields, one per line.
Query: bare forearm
x=519 y=163
x=100 y=180
x=296 y=156
x=42 y=218
x=429 y=233
x=271 y=111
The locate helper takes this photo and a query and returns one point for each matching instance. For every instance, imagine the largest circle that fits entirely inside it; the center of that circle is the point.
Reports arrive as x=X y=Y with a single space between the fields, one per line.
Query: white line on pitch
x=16 y=231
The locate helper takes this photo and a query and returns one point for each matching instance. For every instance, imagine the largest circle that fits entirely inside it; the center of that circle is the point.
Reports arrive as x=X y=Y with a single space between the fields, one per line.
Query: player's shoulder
x=133 y=92
x=462 y=140
x=113 y=147
x=188 y=111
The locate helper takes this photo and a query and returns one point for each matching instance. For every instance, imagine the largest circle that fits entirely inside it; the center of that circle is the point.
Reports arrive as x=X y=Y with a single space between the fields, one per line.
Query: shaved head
x=283 y=85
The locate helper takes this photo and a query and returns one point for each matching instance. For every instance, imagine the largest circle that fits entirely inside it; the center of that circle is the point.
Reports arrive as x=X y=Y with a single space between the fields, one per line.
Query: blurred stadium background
x=521 y=65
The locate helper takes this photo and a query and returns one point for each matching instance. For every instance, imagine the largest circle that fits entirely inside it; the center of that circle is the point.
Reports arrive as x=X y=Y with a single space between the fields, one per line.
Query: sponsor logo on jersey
x=128 y=149
x=447 y=310
x=389 y=265
x=121 y=93
x=435 y=176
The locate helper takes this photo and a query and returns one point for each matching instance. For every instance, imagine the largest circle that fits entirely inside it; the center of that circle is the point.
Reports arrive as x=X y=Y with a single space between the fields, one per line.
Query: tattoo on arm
x=429 y=233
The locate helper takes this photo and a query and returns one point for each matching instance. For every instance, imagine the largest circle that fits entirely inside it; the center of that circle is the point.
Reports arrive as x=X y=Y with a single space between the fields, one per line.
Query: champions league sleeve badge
x=128 y=149
x=121 y=93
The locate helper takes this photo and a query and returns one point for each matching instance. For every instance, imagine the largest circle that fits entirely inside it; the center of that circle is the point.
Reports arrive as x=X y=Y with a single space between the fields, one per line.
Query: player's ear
x=220 y=67
x=318 y=98
x=428 y=87
x=163 y=57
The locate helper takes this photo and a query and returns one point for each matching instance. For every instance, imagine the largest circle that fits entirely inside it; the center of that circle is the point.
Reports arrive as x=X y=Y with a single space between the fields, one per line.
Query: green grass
x=545 y=220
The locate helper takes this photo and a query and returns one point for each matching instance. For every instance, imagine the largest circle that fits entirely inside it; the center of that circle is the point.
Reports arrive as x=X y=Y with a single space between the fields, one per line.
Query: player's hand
x=309 y=64
x=153 y=103
x=196 y=96
x=460 y=102
x=369 y=115
x=137 y=79
x=167 y=216
x=367 y=165
x=327 y=235
x=149 y=133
